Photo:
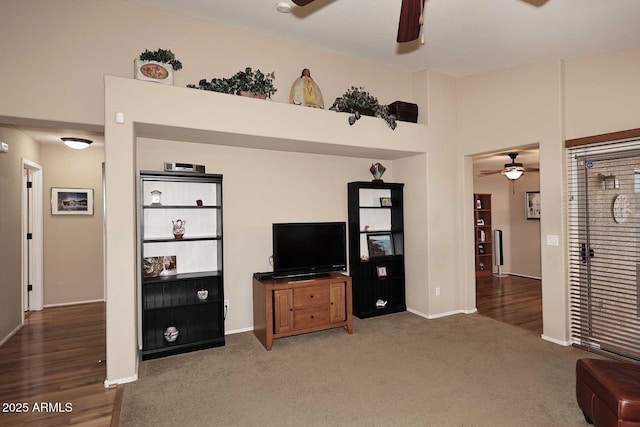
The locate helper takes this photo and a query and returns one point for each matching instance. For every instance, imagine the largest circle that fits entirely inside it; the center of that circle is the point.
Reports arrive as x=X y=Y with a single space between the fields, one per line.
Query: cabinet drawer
x=309 y=317
x=312 y=295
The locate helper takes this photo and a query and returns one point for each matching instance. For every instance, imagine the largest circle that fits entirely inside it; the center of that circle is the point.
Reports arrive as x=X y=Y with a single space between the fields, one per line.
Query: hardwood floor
x=512 y=299
x=53 y=370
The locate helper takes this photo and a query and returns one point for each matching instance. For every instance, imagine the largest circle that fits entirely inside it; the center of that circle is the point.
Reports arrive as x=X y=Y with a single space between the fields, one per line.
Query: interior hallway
x=53 y=370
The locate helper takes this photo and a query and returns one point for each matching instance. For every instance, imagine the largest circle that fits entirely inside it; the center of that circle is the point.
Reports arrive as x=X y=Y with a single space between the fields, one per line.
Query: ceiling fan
x=513 y=170
x=412 y=17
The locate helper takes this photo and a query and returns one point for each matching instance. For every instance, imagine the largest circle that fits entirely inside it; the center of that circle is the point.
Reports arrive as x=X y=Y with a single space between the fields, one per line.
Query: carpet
x=394 y=370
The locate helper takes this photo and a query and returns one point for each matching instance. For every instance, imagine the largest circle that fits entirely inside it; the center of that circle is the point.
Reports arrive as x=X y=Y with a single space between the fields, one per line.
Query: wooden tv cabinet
x=293 y=306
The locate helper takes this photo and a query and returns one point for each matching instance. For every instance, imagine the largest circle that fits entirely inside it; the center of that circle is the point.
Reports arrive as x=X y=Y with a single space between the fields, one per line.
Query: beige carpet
x=396 y=370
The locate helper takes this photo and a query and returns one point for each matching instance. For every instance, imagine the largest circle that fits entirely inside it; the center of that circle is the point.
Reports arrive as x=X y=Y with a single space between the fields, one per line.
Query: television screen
x=309 y=248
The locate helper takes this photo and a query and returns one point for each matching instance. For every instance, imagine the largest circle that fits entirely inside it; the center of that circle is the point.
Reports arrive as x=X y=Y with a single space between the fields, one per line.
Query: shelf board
x=175 y=348
x=185 y=239
x=390 y=308
x=195 y=302
x=181 y=207
x=181 y=276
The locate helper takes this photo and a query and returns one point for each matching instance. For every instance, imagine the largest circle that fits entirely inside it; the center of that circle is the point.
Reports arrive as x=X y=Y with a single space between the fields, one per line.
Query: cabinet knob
x=291 y=309
x=312 y=317
x=311 y=296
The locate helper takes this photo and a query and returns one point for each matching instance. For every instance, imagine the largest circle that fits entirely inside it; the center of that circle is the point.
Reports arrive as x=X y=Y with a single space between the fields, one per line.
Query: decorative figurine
x=178 y=228
x=155 y=197
x=377 y=170
x=305 y=91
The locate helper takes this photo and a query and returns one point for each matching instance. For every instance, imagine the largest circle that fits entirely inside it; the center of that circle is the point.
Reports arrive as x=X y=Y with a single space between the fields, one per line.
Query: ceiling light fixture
x=76 y=143
x=513 y=174
x=283 y=7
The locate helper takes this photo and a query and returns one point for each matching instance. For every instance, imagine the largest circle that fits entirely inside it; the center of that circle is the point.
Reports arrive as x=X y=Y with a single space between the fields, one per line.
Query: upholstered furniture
x=608 y=392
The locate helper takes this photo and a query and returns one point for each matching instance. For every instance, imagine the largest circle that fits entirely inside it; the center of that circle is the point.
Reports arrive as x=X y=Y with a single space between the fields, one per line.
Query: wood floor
x=512 y=299
x=53 y=370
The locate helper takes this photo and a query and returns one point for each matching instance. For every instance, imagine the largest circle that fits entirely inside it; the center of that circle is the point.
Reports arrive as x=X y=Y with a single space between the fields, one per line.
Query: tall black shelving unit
x=170 y=292
x=376 y=247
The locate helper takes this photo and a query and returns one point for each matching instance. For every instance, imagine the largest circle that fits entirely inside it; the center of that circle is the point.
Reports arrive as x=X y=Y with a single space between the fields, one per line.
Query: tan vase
x=253 y=95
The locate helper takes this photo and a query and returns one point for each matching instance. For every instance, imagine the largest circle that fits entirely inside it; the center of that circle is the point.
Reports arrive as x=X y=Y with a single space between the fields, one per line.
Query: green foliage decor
x=162 y=55
x=248 y=80
x=359 y=102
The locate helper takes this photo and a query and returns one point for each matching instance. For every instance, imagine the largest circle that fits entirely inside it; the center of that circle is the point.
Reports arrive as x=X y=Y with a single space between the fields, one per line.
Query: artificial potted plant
x=359 y=102
x=157 y=66
x=255 y=84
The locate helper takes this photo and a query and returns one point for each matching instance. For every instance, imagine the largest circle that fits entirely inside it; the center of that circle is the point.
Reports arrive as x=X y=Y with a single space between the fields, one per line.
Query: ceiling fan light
x=513 y=174
x=76 y=143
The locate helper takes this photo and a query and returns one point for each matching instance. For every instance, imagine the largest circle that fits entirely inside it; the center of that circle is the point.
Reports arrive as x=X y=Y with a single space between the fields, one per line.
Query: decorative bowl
x=171 y=334
x=203 y=294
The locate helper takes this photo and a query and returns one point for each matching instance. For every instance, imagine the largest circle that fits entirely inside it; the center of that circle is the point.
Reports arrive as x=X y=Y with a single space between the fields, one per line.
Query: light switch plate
x=552 y=240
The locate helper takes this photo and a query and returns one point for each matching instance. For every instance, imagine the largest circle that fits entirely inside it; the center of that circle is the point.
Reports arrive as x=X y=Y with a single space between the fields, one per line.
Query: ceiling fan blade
x=409 y=25
x=485 y=173
x=527 y=169
x=302 y=2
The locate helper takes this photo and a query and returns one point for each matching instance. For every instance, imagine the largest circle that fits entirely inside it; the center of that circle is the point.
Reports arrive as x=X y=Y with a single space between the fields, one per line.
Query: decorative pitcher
x=178 y=228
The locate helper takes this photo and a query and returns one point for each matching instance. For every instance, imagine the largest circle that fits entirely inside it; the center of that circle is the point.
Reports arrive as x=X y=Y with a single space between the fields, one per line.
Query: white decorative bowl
x=171 y=334
x=203 y=294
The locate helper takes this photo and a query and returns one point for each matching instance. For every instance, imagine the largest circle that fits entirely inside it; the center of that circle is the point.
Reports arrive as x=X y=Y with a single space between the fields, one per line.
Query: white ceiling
x=462 y=36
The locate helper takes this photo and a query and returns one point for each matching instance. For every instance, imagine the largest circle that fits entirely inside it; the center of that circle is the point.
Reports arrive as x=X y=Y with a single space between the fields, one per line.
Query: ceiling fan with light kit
x=513 y=170
x=412 y=18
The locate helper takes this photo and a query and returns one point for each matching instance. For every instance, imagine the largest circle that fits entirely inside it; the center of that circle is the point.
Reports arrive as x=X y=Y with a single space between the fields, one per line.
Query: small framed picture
x=385 y=201
x=480 y=222
x=380 y=245
x=532 y=204
x=381 y=270
x=71 y=201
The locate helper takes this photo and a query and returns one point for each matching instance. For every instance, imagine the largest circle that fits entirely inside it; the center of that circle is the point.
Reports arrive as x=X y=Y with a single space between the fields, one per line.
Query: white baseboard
x=109 y=384
x=237 y=331
x=12 y=333
x=74 y=303
x=523 y=275
x=555 y=341
x=436 y=316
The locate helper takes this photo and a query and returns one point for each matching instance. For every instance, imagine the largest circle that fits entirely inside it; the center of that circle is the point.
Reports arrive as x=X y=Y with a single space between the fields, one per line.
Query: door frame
x=37 y=256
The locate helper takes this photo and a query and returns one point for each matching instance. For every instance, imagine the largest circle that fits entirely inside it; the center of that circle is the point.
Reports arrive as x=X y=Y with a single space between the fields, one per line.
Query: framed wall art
x=380 y=245
x=532 y=204
x=71 y=201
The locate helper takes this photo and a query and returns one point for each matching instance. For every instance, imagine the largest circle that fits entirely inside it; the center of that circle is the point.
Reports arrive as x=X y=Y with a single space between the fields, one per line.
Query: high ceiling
x=462 y=36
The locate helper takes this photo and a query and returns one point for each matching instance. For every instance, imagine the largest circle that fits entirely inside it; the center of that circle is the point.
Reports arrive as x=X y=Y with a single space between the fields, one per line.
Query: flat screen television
x=311 y=248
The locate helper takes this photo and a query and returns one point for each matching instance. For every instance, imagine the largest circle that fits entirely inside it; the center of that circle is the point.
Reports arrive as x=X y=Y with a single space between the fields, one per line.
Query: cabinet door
x=338 y=311
x=283 y=307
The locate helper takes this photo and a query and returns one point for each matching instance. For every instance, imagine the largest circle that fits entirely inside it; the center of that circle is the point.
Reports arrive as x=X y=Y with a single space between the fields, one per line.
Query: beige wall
x=73 y=255
x=76 y=42
x=261 y=187
x=20 y=147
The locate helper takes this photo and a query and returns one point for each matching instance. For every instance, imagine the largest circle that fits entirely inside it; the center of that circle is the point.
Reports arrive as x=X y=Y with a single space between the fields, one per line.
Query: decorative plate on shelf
x=621 y=208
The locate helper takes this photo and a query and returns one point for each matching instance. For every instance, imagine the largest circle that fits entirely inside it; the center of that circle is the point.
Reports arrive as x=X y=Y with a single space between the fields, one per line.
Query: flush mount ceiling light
x=76 y=143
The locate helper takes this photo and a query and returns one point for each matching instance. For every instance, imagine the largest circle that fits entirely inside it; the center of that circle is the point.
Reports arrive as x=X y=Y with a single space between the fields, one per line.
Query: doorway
x=32 y=240
x=512 y=291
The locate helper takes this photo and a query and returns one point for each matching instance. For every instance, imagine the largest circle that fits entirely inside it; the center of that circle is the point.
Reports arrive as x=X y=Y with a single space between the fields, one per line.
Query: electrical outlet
x=226 y=304
x=437 y=292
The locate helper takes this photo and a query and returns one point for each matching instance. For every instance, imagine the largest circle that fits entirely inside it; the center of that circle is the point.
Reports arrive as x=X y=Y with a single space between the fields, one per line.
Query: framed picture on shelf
x=380 y=245
x=156 y=266
x=381 y=270
x=71 y=201
x=532 y=204
x=385 y=201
